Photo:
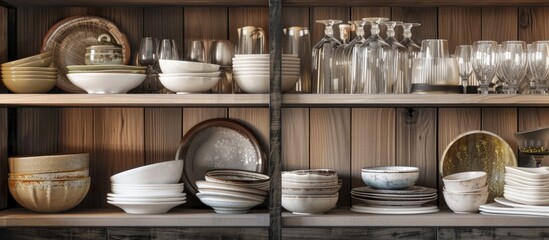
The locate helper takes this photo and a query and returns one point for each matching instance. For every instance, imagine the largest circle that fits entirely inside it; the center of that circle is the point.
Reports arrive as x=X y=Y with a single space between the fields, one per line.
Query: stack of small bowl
x=464 y=192
x=106 y=79
x=251 y=72
x=30 y=75
x=49 y=184
x=188 y=77
x=314 y=191
x=232 y=191
x=150 y=189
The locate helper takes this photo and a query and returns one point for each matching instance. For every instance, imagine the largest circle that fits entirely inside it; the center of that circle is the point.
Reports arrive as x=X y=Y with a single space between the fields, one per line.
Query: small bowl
x=390 y=177
x=176 y=66
x=49 y=163
x=310 y=190
x=480 y=190
x=228 y=205
x=159 y=173
x=309 y=204
x=189 y=84
x=465 y=181
x=465 y=202
x=34 y=58
x=311 y=175
x=102 y=83
x=29 y=85
x=50 y=176
x=261 y=83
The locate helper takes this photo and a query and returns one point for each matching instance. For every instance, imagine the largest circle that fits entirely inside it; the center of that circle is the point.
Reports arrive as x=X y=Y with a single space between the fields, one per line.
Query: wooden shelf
x=445 y=218
x=117 y=218
x=71 y=3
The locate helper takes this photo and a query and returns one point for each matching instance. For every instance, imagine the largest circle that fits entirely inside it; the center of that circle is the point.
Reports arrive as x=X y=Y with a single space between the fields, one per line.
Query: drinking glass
x=323 y=53
x=512 y=63
x=339 y=64
x=147 y=56
x=373 y=78
x=356 y=59
x=412 y=52
x=485 y=63
x=196 y=52
x=297 y=40
x=167 y=50
x=393 y=57
x=463 y=57
x=538 y=59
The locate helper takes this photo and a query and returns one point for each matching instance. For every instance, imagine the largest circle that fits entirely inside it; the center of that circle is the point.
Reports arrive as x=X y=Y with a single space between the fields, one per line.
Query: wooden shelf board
x=117 y=218
x=345 y=218
x=72 y=3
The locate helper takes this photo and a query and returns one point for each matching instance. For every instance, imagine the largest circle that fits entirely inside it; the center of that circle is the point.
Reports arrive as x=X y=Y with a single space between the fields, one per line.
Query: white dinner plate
x=392 y=202
x=510 y=182
x=527 y=191
x=413 y=190
x=145 y=199
x=525 y=181
x=177 y=195
x=510 y=203
x=523 y=200
x=362 y=208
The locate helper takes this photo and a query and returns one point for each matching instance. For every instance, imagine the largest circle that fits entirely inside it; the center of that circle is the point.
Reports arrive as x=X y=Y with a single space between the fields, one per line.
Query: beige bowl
x=50 y=176
x=31 y=59
x=49 y=196
x=49 y=163
x=29 y=85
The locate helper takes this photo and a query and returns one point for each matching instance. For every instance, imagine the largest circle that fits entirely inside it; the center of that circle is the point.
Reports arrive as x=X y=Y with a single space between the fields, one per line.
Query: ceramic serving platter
x=509 y=203
x=363 y=208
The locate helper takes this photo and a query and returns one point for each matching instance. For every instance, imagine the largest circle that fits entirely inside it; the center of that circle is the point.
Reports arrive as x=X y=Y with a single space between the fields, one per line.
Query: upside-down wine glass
x=323 y=53
x=356 y=59
x=393 y=57
x=485 y=63
x=463 y=56
x=339 y=64
x=538 y=59
x=412 y=52
x=373 y=77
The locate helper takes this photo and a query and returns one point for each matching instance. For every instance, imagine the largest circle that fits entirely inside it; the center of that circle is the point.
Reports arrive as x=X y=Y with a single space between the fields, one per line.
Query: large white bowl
x=309 y=204
x=175 y=66
x=465 y=202
x=465 y=181
x=189 y=84
x=158 y=173
x=201 y=74
x=390 y=177
x=103 y=83
x=146 y=207
x=261 y=83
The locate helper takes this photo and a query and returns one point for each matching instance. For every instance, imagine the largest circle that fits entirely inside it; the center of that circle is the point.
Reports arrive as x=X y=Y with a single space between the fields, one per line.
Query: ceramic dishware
x=465 y=181
x=465 y=202
x=102 y=83
x=309 y=204
x=390 y=177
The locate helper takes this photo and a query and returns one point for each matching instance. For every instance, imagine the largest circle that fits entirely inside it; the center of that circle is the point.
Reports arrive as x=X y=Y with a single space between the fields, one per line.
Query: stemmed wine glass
x=323 y=53
x=411 y=53
x=148 y=57
x=485 y=63
x=512 y=64
x=538 y=59
x=463 y=57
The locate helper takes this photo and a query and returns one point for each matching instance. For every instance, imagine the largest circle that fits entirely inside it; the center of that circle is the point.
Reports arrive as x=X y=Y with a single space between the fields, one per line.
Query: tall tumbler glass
x=297 y=40
x=406 y=66
x=485 y=63
x=323 y=53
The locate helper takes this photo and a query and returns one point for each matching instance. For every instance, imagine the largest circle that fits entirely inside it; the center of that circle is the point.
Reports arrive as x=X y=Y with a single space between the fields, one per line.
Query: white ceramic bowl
x=189 y=84
x=205 y=185
x=484 y=189
x=310 y=190
x=390 y=177
x=227 y=205
x=262 y=56
x=104 y=83
x=158 y=173
x=310 y=175
x=146 y=207
x=147 y=192
x=260 y=83
x=465 y=181
x=234 y=195
x=146 y=199
x=465 y=202
x=201 y=74
x=175 y=66
x=313 y=204
x=147 y=186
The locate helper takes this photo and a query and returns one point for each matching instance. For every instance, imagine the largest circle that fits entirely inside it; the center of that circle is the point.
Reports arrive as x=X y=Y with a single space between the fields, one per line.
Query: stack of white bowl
x=251 y=72
x=188 y=77
x=150 y=189
x=312 y=191
x=30 y=75
x=232 y=191
x=106 y=79
x=464 y=192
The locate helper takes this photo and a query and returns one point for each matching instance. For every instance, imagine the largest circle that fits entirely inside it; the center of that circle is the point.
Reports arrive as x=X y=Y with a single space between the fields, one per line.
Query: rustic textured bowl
x=390 y=177
x=159 y=173
x=49 y=163
x=311 y=175
x=50 y=176
x=312 y=204
x=49 y=196
x=465 y=181
x=465 y=202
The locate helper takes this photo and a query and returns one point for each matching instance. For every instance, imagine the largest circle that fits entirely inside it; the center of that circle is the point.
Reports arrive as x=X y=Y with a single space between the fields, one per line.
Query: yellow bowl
x=32 y=85
x=49 y=163
x=30 y=59
x=18 y=68
x=19 y=73
x=32 y=76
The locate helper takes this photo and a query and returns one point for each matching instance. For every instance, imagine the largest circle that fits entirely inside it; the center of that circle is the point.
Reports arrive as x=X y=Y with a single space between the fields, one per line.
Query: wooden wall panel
x=416 y=137
x=503 y=122
x=324 y=13
x=205 y=23
x=330 y=144
x=162 y=133
x=295 y=138
x=358 y=13
x=36 y=131
x=144 y=233
x=295 y=16
x=3 y=34
x=164 y=23
x=54 y=233
x=359 y=233
x=491 y=233
x=4 y=158
x=118 y=146
x=499 y=23
x=533 y=23
x=248 y=16
x=459 y=25
x=426 y=16
x=528 y=119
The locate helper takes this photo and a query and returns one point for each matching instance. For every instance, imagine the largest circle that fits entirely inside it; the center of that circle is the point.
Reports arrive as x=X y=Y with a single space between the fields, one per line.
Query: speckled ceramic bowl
x=309 y=204
x=49 y=163
x=390 y=177
x=465 y=202
x=465 y=181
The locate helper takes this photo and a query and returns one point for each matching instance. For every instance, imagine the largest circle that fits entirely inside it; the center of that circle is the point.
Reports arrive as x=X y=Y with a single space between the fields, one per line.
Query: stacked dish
x=104 y=79
x=30 y=75
x=150 y=189
x=49 y=184
x=251 y=72
x=232 y=191
x=188 y=77
x=464 y=192
x=310 y=191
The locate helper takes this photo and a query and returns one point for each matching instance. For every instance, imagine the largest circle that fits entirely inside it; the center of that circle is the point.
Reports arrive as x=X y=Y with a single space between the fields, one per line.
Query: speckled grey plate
x=218 y=144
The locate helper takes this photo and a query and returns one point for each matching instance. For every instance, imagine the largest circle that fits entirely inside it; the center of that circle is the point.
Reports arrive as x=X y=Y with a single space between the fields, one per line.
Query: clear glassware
x=339 y=64
x=463 y=56
x=412 y=52
x=485 y=63
x=323 y=53
x=538 y=59
x=196 y=51
x=512 y=63
x=167 y=50
x=356 y=58
x=393 y=55
x=297 y=40
x=147 y=56
x=373 y=78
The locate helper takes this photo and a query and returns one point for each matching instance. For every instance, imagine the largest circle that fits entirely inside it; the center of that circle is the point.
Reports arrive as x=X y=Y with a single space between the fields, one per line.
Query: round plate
x=364 y=208
x=479 y=151
x=69 y=38
x=392 y=202
x=413 y=190
x=218 y=144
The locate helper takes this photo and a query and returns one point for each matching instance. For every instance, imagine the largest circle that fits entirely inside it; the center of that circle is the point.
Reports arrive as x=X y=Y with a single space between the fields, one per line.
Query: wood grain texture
x=295 y=138
x=162 y=133
x=416 y=137
x=248 y=16
x=54 y=233
x=75 y=135
x=164 y=23
x=3 y=39
x=295 y=16
x=491 y=233
x=427 y=16
x=203 y=23
x=533 y=23
x=372 y=141
x=323 y=13
x=499 y=23
x=459 y=25
x=187 y=233
x=37 y=131
x=118 y=146
x=359 y=233
x=532 y=118
x=364 y=12
x=330 y=145
x=503 y=122
x=4 y=194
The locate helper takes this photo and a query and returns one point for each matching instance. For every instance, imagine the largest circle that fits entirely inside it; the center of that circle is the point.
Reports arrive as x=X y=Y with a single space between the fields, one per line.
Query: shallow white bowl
x=234 y=195
x=205 y=74
x=205 y=185
x=484 y=189
x=264 y=72
x=104 y=83
x=175 y=66
x=313 y=204
x=146 y=207
x=146 y=200
x=465 y=181
x=177 y=195
x=226 y=205
x=390 y=177
x=310 y=190
x=261 y=83
x=189 y=84
x=158 y=173
x=147 y=192
x=465 y=202
x=147 y=186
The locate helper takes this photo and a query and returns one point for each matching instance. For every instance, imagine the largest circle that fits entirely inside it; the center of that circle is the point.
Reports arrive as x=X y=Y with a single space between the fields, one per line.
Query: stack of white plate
x=232 y=191
x=312 y=191
x=529 y=186
x=188 y=77
x=104 y=79
x=411 y=200
x=251 y=72
x=30 y=75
